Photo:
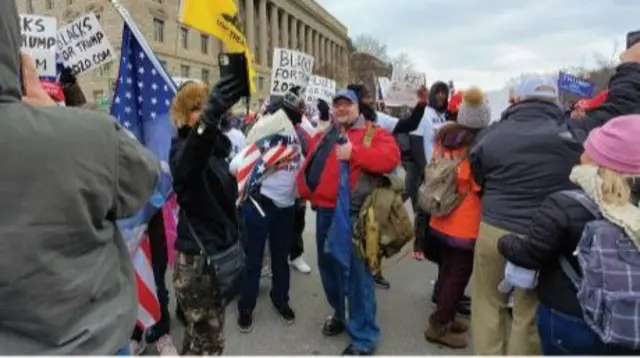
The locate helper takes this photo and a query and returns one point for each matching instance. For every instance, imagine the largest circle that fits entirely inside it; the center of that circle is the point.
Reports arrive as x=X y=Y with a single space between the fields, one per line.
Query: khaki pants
x=489 y=315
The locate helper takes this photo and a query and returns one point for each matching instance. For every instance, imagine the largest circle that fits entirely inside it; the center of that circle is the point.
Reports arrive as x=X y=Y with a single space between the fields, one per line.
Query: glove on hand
x=323 y=108
x=224 y=95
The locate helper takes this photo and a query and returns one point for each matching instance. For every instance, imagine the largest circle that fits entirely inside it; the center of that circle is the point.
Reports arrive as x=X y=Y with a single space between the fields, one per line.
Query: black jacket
x=206 y=190
x=417 y=141
x=555 y=230
x=530 y=152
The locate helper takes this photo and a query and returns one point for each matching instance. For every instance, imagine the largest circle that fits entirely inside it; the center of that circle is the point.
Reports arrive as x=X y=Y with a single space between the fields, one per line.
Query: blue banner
x=575 y=85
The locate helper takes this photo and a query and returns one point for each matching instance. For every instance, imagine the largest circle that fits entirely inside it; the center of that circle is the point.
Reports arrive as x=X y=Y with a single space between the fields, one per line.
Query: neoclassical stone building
x=298 y=24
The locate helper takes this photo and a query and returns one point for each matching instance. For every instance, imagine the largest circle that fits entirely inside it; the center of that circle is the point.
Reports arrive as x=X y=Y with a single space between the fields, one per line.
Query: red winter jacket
x=381 y=157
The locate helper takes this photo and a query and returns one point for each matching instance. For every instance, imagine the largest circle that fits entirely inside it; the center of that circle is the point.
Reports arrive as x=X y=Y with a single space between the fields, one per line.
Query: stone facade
x=297 y=24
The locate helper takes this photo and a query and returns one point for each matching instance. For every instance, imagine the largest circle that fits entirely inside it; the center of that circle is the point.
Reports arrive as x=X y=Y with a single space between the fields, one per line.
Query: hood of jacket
x=10 y=88
x=435 y=88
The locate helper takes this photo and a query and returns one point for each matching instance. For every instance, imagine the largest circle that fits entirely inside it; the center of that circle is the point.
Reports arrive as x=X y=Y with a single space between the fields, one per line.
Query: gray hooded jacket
x=66 y=277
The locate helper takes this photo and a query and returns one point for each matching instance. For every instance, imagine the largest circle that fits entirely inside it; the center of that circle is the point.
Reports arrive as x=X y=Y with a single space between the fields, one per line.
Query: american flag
x=265 y=156
x=141 y=103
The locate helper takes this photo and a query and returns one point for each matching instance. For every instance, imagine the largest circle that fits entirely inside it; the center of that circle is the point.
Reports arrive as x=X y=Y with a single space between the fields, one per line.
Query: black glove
x=67 y=78
x=224 y=95
x=323 y=108
x=294 y=106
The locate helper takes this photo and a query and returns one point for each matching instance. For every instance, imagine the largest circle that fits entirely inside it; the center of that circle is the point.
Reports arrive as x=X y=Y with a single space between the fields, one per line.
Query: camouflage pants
x=198 y=295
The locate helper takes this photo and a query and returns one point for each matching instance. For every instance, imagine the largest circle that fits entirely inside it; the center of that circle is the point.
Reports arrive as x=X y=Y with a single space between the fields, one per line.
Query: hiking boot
x=442 y=334
x=463 y=309
x=165 y=347
x=286 y=313
x=300 y=265
x=460 y=325
x=333 y=327
x=245 y=321
x=465 y=300
x=381 y=282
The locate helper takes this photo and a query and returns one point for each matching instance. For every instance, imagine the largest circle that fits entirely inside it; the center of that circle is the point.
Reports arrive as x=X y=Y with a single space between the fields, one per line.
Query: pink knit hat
x=615 y=145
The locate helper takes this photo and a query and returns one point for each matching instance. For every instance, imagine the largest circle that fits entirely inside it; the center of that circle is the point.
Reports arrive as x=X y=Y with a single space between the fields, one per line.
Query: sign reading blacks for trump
x=38 y=39
x=83 y=45
x=290 y=68
x=320 y=88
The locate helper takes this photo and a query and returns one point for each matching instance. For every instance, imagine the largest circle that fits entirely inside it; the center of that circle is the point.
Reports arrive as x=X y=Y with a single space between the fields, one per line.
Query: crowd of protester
x=537 y=210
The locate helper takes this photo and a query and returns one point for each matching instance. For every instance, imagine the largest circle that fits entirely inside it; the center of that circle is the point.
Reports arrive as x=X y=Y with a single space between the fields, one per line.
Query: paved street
x=402 y=314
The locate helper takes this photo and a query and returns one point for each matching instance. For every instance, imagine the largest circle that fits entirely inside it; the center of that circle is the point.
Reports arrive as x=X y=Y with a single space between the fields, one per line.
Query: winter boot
x=442 y=334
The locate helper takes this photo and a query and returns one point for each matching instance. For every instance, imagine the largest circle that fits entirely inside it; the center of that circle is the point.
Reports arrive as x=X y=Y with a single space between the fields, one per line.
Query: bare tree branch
x=369 y=44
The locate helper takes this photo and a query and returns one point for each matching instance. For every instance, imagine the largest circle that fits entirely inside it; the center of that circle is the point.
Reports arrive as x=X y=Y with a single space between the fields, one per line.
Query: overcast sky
x=486 y=42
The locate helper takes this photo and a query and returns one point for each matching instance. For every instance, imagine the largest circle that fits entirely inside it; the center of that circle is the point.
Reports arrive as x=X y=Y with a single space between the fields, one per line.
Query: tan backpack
x=439 y=195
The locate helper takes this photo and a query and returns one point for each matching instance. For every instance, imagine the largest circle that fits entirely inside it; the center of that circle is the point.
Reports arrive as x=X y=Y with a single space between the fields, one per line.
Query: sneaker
x=245 y=321
x=286 y=313
x=165 y=347
x=465 y=300
x=381 y=282
x=419 y=256
x=300 y=265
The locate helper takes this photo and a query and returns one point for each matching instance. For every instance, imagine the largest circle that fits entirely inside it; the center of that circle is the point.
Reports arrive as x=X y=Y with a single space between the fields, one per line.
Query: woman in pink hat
x=589 y=300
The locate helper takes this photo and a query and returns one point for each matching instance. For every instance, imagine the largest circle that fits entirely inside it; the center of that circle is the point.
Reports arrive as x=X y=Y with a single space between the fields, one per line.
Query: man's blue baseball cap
x=346 y=94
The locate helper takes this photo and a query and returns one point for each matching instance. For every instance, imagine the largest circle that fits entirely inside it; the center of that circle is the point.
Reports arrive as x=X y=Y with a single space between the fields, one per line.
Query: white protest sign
x=404 y=87
x=38 y=39
x=83 y=45
x=290 y=68
x=320 y=88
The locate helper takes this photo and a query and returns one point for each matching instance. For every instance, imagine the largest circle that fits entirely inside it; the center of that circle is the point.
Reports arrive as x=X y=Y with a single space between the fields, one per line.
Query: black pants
x=297 y=246
x=159 y=259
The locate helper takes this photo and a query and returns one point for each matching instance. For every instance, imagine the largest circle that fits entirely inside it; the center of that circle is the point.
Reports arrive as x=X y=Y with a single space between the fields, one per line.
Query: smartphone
x=633 y=38
x=235 y=64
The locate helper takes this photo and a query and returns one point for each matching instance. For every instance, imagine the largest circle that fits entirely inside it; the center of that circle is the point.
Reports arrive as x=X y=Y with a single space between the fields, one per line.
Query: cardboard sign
x=290 y=68
x=38 y=39
x=403 y=88
x=320 y=88
x=83 y=45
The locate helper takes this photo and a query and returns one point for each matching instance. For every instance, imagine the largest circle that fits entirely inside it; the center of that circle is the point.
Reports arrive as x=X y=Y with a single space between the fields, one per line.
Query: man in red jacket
x=318 y=182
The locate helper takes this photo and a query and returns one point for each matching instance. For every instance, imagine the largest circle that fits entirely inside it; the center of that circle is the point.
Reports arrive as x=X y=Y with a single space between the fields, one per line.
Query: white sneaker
x=165 y=346
x=300 y=265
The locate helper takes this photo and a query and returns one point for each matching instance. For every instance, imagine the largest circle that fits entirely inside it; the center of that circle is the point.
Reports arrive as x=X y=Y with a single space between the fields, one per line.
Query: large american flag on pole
x=265 y=156
x=141 y=103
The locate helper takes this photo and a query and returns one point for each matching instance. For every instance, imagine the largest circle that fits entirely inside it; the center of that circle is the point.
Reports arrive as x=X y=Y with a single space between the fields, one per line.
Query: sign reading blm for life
x=290 y=68
x=83 y=45
x=38 y=39
x=320 y=88
x=404 y=87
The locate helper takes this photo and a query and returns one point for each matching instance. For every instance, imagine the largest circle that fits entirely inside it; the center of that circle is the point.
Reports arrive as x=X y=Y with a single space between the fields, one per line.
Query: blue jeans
x=357 y=283
x=278 y=226
x=563 y=334
x=331 y=273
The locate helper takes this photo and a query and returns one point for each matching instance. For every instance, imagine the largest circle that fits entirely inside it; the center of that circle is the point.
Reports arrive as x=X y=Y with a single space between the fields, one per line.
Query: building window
x=49 y=4
x=204 y=44
x=184 y=71
x=184 y=37
x=99 y=17
x=158 y=1
x=205 y=75
x=158 y=30
x=69 y=2
x=30 y=6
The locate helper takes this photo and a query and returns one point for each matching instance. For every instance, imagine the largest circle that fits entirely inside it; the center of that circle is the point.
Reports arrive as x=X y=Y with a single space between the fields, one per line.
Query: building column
x=332 y=59
x=309 y=47
x=264 y=39
x=250 y=25
x=316 y=49
x=323 y=51
x=301 y=37
x=284 y=30
x=294 y=33
x=275 y=25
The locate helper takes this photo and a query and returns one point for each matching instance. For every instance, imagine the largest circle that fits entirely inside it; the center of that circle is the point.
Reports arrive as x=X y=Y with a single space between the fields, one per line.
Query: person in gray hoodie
x=66 y=276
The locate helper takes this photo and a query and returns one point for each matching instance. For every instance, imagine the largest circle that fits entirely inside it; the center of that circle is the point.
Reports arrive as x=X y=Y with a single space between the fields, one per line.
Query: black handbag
x=227 y=267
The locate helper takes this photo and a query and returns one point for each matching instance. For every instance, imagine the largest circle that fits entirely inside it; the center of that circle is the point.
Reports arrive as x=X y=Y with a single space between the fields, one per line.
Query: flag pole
x=126 y=17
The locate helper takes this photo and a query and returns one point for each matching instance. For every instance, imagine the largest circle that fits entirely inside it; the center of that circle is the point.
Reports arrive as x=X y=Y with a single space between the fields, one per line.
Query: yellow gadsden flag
x=213 y=17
